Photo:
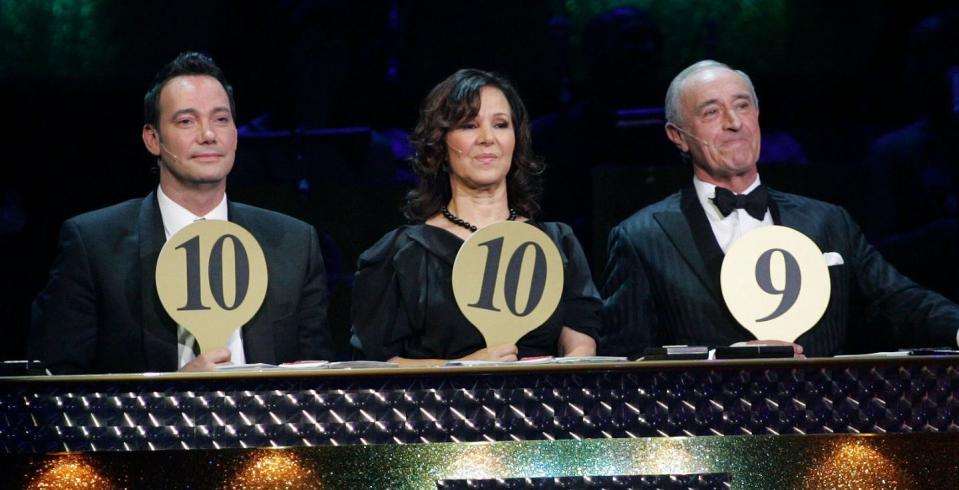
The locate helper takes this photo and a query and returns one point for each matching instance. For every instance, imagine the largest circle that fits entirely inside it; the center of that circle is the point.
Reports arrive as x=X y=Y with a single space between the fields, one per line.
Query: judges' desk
x=872 y=422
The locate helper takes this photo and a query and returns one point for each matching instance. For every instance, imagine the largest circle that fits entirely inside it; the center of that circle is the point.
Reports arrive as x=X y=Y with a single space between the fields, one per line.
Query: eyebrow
x=194 y=112
x=495 y=114
x=703 y=104
x=739 y=96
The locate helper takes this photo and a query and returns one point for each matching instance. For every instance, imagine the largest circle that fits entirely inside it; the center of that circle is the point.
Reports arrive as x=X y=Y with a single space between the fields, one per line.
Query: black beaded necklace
x=456 y=220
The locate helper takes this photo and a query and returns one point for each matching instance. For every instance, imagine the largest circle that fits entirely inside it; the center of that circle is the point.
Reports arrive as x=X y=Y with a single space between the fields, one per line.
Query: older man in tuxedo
x=662 y=280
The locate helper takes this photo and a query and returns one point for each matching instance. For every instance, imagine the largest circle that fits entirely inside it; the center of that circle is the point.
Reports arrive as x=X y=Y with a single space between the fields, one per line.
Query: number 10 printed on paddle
x=507 y=280
x=211 y=278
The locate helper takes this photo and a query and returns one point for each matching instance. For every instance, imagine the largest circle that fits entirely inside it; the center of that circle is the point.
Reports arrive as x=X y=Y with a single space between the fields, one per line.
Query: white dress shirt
x=175 y=218
x=727 y=230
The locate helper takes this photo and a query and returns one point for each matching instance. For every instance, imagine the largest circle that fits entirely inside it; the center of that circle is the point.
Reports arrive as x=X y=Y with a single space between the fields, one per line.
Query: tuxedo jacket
x=100 y=311
x=662 y=284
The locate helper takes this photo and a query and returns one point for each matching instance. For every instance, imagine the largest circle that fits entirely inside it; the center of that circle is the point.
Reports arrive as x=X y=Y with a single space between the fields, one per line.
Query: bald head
x=674 y=110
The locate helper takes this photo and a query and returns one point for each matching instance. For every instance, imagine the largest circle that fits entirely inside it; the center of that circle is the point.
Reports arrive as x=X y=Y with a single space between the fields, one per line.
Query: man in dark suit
x=100 y=311
x=662 y=279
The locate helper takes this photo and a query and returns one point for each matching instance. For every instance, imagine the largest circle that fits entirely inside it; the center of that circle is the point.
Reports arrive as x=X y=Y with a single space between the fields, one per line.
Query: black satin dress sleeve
x=378 y=315
x=581 y=303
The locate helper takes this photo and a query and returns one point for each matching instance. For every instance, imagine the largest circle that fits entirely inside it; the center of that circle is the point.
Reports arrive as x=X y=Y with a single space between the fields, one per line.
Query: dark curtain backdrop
x=831 y=77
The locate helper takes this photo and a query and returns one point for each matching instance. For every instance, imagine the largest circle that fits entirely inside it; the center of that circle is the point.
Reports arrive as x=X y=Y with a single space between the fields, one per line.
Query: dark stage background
x=859 y=107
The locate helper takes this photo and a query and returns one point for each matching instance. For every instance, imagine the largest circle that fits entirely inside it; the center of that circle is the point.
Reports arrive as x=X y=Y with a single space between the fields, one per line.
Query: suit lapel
x=159 y=330
x=677 y=227
x=794 y=216
x=258 y=333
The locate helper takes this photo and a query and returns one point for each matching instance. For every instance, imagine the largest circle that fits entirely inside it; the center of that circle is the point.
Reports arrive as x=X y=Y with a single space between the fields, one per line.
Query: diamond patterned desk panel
x=401 y=406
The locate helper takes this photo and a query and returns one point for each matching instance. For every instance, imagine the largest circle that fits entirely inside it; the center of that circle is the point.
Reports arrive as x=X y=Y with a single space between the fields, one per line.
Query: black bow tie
x=754 y=203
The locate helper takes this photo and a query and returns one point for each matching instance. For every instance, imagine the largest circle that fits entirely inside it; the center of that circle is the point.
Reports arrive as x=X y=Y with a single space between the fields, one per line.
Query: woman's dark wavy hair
x=452 y=102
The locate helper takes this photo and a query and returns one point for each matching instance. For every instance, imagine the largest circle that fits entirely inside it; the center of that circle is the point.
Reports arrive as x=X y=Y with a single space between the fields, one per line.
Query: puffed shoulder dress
x=403 y=302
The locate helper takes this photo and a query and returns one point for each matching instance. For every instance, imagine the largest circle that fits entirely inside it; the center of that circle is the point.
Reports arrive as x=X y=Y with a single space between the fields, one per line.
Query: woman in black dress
x=475 y=167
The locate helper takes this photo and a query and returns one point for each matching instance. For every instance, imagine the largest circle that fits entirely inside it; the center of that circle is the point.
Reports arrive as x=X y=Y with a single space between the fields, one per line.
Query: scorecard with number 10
x=211 y=278
x=508 y=280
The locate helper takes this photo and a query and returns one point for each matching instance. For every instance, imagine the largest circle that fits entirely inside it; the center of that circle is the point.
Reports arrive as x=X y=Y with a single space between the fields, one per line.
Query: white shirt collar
x=176 y=217
x=706 y=192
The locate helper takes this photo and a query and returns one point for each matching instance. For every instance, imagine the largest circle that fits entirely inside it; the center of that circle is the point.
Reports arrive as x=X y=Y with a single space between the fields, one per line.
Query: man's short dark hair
x=189 y=63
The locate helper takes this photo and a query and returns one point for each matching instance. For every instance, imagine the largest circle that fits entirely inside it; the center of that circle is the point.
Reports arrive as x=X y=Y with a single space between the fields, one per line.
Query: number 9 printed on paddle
x=775 y=283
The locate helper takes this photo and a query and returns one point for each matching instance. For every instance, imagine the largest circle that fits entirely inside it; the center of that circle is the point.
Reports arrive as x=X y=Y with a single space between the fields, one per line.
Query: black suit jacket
x=100 y=311
x=662 y=284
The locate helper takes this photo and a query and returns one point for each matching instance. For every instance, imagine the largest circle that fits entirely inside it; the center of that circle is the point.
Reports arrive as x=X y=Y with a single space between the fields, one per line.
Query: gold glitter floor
x=927 y=460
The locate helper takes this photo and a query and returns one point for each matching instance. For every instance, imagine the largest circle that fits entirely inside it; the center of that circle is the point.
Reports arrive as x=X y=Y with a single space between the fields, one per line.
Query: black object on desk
x=675 y=353
x=935 y=351
x=754 y=352
x=21 y=368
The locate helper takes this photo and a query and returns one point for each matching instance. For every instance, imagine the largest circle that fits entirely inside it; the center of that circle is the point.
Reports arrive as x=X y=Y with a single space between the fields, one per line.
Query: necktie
x=754 y=203
x=191 y=348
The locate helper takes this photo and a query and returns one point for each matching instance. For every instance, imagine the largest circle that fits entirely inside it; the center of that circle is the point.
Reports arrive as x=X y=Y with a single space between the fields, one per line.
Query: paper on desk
x=305 y=365
x=361 y=364
x=589 y=359
x=902 y=353
x=259 y=366
x=521 y=362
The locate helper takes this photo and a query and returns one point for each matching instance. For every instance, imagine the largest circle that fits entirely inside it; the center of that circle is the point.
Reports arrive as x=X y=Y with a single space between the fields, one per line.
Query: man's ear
x=677 y=137
x=151 y=139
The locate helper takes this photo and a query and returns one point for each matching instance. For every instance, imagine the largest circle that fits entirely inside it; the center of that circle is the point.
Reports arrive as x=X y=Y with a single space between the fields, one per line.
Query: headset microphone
x=691 y=135
x=164 y=148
